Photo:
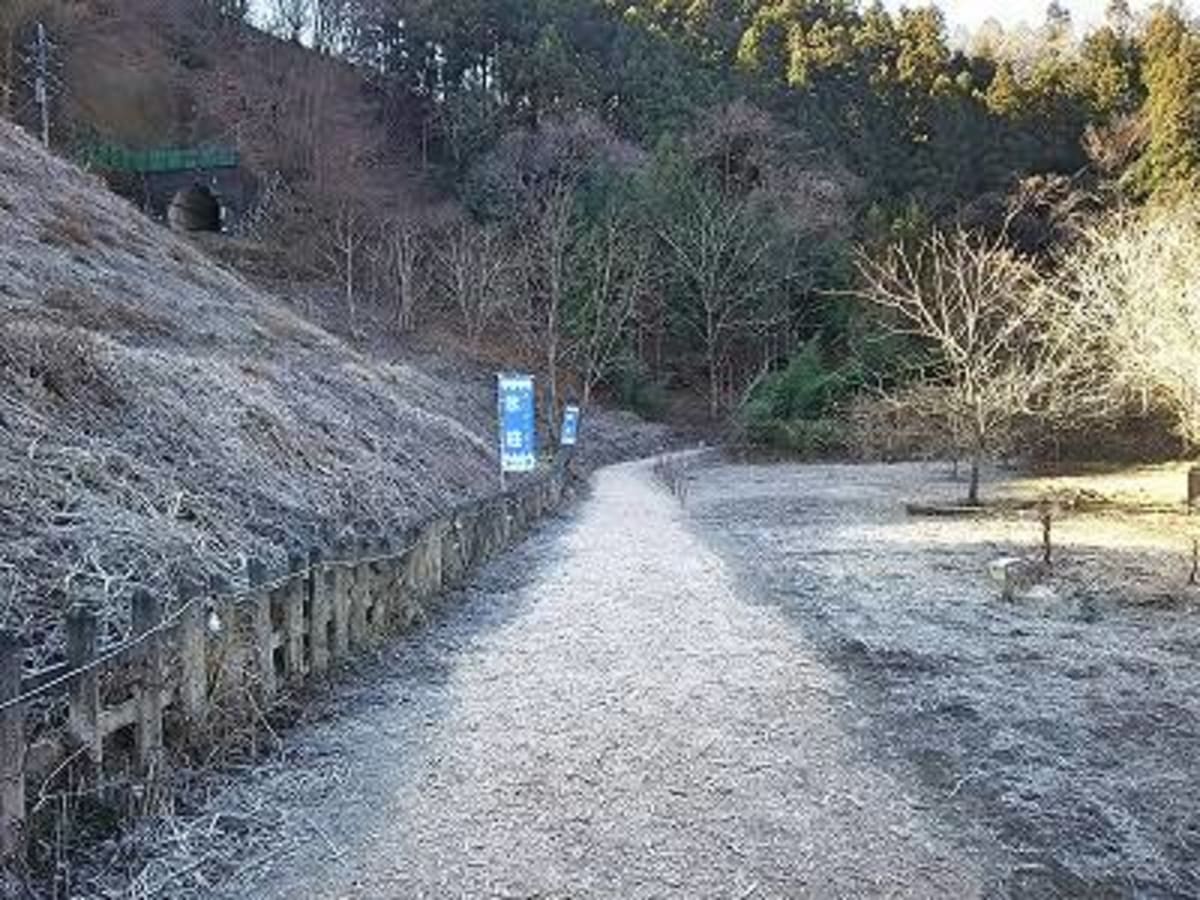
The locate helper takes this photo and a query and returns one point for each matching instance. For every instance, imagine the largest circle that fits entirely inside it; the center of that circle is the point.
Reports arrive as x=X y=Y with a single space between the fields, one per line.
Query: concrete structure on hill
x=192 y=189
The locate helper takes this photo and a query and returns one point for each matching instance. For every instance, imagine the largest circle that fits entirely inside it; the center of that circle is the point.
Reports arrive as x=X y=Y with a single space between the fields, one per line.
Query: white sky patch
x=970 y=14
x=960 y=14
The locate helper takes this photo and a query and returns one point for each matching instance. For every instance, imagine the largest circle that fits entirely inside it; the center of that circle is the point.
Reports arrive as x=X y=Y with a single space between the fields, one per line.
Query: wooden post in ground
x=439 y=556
x=263 y=631
x=193 y=661
x=360 y=597
x=147 y=617
x=405 y=603
x=294 y=598
x=1047 y=517
x=224 y=641
x=384 y=596
x=337 y=580
x=453 y=567
x=320 y=610
x=83 y=719
x=12 y=750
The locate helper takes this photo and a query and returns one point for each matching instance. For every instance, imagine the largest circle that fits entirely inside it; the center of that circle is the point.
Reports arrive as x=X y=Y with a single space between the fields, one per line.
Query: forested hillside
x=665 y=199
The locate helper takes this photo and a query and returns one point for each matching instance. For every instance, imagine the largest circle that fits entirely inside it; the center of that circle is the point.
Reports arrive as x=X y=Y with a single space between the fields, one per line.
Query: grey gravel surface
x=604 y=713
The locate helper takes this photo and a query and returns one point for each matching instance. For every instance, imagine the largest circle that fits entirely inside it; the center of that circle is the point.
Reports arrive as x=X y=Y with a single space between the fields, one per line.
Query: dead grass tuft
x=61 y=366
x=86 y=309
x=68 y=233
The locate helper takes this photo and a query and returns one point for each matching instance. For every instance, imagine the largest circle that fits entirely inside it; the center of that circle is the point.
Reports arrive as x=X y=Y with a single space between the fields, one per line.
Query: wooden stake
x=320 y=614
x=83 y=719
x=264 y=632
x=147 y=616
x=1047 y=522
x=193 y=660
x=294 y=597
x=12 y=750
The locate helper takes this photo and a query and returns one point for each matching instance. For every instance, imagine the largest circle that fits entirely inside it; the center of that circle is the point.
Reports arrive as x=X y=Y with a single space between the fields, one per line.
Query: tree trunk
x=714 y=382
x=552 y=392
x=973 y=488
x=349 y=286
x=10 y=77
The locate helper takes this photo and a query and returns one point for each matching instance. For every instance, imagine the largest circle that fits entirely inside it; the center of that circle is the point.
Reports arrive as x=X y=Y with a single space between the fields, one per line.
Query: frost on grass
x=161 y=418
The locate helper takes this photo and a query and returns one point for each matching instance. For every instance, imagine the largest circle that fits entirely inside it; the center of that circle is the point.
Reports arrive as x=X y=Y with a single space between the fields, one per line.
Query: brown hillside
x=159 y=416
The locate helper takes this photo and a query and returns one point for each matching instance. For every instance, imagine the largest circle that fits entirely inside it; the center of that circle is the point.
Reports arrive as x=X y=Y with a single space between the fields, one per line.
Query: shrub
x=638 y=392
x=806 y=437
x=796 y=409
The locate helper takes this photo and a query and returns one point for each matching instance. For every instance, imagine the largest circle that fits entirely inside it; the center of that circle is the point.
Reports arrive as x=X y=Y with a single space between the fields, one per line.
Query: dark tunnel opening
x=194 y=208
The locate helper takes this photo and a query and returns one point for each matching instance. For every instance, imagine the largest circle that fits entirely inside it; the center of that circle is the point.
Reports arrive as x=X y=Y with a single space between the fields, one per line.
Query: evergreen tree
x=1171 y=73
x=1109 y=73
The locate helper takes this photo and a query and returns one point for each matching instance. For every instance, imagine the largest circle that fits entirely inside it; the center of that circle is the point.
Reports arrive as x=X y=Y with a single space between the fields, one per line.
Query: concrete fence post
x=320 y=609
x=263 y=631
x=453 y=568
x=437 y=563
x=12 y=750
x=503 y=526
x=83 y=717
x=294 y=598
x=338 y=579
x=193 y=660
x=491 y=529
x=385 y=595
x=226 y=655
x=147 y=617
x=360 y=597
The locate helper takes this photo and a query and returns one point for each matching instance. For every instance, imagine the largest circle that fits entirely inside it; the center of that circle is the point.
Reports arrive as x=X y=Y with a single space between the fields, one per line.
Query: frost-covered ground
x=605 y=713
x=1059 y=734
x=787 y=688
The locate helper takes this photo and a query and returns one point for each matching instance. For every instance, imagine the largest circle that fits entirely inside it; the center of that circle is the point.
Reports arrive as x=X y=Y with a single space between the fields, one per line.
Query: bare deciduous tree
x=1135 y=285
x=291 y=18
x=398 y=258
x=332 y=24
x=723 y=253
x=473 y=271
x=550 y=230
x=616 y=276
x=14 y=15
x=534 y=179
x=348 y=232
x=993 y=324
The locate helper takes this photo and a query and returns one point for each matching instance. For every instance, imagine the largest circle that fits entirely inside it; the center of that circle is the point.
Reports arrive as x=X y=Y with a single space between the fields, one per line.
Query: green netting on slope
x=166 y=159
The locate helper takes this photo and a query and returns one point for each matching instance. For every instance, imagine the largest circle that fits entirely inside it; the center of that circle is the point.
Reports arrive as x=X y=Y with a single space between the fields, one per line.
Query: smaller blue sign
x=518 y=436
x=570 y=425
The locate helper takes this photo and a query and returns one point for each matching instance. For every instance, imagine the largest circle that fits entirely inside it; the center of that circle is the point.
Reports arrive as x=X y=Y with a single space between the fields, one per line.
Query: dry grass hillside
x=160 y=417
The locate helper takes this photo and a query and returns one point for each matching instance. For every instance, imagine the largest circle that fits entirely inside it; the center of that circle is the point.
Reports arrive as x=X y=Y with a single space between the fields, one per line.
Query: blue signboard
x=570 y=426
x=518 y=438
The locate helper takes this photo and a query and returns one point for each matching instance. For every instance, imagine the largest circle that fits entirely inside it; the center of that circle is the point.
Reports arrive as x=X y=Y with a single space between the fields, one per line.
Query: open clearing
x=1060 y=732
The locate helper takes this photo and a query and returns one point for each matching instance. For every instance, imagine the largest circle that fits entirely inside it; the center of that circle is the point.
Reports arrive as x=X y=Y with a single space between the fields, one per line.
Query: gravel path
x=602 y=714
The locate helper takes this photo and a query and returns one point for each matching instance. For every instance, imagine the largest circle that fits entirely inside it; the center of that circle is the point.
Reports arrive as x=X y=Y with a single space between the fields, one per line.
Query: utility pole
x=41 y=78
